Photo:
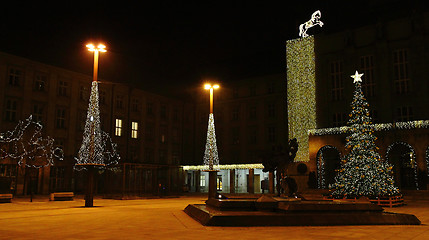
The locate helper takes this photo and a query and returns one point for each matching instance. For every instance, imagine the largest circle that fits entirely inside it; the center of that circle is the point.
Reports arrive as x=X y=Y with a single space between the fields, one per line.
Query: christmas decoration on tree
x=97 y=148
x=211 y=157
x=362 y=173
x=28 y=147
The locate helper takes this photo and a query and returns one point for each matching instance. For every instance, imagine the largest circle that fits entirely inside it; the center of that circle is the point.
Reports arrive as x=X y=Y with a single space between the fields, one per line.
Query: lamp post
x=94 y=128
x=210 y=156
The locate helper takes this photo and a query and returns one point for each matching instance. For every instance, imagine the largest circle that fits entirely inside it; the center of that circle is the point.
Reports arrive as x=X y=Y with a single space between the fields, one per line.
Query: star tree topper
x=357 y=77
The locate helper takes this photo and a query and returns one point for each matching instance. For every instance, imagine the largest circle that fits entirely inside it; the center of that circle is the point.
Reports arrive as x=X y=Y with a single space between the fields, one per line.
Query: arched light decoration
x=412 y=158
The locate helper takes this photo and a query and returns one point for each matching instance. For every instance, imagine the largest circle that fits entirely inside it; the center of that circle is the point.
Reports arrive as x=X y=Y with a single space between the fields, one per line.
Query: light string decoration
x=427 y=160
x=301 y=92
x=412 y=161
x=320 y=166
x=376 y=127
x=211 y=156
x=226 y=167
x=97 y=148
x=28 y=147
x=362 y=171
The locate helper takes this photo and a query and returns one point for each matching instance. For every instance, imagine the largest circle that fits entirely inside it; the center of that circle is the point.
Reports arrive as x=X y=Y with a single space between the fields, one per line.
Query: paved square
x=164 y=219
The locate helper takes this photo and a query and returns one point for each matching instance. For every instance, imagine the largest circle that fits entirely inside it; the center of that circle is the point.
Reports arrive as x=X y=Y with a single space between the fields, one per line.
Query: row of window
x=252 y=134
x=252 y=113
x=402 y=81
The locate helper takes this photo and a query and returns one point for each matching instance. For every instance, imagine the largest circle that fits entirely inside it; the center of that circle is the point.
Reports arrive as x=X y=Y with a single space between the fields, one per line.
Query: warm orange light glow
x=100 y=47
x=208 y=86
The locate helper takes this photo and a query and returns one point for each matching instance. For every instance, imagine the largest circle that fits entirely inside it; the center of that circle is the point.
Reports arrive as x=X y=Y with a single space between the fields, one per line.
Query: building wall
x=250 y=119
x=58 y=98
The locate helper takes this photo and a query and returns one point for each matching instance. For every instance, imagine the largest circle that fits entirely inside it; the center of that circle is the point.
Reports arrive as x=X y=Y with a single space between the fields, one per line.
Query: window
x=118 y=127
x=134 y=129
x=235 y=113
x=63 y=87
x=374 y=115
x=219 y=183
x=270 y=87
x=149 y=108
x=252 y=112
x=175 y=114
x=83 y=93
x=148 y=155
x=38 y=113
x=163 y=112
x=16 y=76
x=339 y=119
x=271 y=110
x=400 y=68
x=163 y=134
x=367 y=67
x=11 y=110
x=404 y=114
x=135 y=105
x=149 y=135
x=202 y=180
x=162 y=156
x=119 y=101
x=61 y=118
x=252 y=90
x=271 y=134
x=235 y=135
x=235 y=92
x=336 y=78
x=253 y=135
x=40 y=82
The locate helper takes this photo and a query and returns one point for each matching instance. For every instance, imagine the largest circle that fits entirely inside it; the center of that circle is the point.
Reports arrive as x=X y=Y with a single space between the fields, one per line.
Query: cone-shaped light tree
x=362 y=172
x=97 y=149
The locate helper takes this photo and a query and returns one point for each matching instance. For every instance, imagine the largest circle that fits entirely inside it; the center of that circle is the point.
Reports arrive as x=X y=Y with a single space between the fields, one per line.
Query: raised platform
x=293 y=212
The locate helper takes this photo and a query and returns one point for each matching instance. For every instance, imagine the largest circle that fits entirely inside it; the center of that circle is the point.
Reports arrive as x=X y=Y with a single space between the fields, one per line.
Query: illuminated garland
x=427 y=160
x=27 y=145
x=97 y=148
x=211 y=157
x=376 y=127
x=320 y=164
x=301 y=93
x=413 y=159
x=226 y=167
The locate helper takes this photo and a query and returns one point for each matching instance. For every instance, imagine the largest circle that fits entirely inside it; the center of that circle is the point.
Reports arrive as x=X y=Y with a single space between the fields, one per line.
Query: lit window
x=219 y=183
x=118 y=127
x=134 y=129
x=202 y=180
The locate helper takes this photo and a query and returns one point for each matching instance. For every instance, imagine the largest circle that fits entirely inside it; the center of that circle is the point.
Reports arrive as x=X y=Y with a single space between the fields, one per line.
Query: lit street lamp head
x=208 y=86
x=100 y=47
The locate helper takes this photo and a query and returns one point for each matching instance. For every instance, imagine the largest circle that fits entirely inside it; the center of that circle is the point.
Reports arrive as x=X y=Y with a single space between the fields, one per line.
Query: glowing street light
x=210 y=87
x=211 y=157
x=96 y=50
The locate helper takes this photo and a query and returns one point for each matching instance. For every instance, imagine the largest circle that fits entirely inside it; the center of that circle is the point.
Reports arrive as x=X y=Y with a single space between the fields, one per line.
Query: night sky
x=174 y=43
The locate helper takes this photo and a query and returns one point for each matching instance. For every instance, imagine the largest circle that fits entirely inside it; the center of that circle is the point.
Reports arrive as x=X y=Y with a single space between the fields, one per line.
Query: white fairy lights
x=301 y=92
x=97 y=148
x=211 y=157
x=28 y=147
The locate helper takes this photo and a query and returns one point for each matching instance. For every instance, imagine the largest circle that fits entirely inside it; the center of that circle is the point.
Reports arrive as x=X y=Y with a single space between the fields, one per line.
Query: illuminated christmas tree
x=362 y=171
x=211 y=157
x=97 y=148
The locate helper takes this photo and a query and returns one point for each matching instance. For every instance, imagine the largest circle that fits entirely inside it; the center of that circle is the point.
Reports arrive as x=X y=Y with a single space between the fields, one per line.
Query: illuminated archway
x=403 y=158
x=328 y=159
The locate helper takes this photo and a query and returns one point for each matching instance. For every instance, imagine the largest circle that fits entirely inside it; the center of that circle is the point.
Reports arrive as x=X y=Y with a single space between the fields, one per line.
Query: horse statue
x=315 y=20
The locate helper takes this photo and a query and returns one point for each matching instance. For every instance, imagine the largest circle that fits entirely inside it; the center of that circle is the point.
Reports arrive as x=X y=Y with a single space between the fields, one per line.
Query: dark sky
x=171 y=43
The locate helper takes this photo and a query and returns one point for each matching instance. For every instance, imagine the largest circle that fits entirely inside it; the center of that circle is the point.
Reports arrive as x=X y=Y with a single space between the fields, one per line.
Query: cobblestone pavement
x=164 y=219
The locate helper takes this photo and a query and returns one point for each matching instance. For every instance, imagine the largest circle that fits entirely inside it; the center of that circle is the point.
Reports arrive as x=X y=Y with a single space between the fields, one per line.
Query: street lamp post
x=211 y=145
x=92 y=163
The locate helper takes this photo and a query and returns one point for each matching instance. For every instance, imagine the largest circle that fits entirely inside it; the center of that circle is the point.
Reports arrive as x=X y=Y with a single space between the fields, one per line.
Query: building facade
x=147 y=128
x=392 y=56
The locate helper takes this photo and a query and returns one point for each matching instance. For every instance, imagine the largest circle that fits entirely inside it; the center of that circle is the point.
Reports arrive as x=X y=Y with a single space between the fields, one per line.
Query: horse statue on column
x=315 y=20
